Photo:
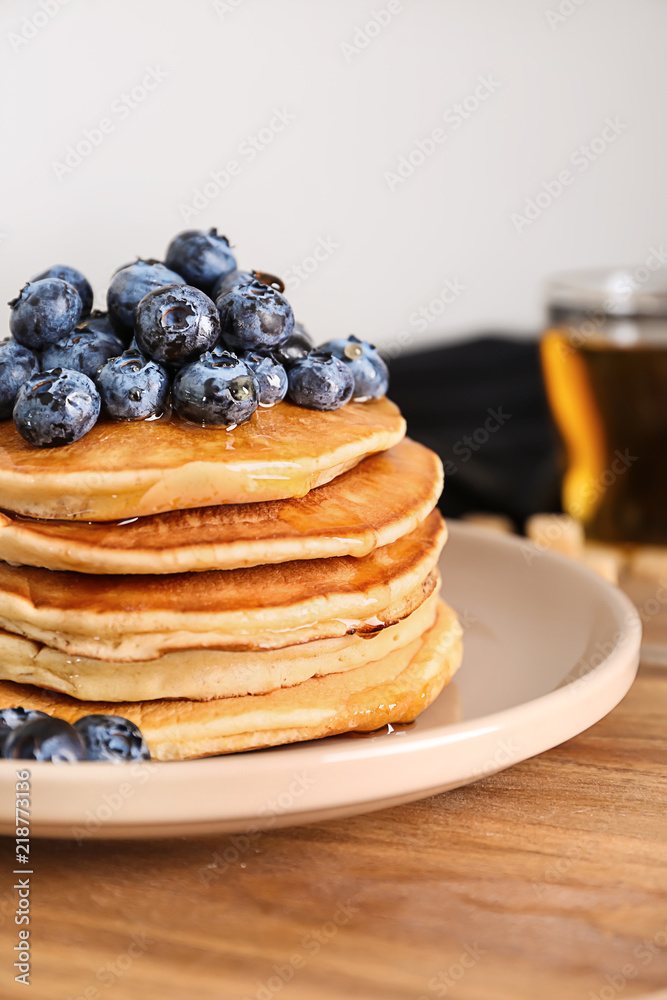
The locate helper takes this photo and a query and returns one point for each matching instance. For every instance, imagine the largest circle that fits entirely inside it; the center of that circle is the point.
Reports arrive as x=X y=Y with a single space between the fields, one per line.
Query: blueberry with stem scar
x=174 y=325
x=255 y=317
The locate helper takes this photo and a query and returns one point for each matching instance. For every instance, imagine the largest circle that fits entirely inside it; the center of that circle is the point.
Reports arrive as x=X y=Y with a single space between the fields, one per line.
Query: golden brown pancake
x=123 y=470
x=393 y=689
x=203 y=674
x=264 y=607
x=384 y=497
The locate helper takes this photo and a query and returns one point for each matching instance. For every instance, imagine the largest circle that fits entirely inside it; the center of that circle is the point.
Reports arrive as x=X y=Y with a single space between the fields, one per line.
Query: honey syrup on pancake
x=347 y=504
x=257 y=587
x=390 y=729
x=122 y=470
x=276 y=437
x=367 y=629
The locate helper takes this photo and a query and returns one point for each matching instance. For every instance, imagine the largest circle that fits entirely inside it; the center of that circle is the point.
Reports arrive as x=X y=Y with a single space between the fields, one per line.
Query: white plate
x=550 y=648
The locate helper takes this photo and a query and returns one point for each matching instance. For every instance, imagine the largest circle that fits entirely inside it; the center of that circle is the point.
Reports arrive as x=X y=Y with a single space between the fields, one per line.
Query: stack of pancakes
x=226 y=589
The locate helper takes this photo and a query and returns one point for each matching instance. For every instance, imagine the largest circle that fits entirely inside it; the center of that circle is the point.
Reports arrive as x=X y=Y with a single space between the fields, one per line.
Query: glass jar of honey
x=604 y=357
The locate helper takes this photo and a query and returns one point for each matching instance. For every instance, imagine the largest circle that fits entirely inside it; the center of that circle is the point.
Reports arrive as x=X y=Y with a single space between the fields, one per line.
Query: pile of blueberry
x=193 y=333
x=26 y=734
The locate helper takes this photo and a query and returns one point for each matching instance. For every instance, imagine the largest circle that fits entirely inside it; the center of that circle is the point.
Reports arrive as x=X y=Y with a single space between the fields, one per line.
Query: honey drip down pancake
x=384 y=497
x=123 y=470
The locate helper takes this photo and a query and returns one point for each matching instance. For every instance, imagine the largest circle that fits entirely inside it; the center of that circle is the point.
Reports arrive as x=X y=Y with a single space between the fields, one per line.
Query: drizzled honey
x=124 y=470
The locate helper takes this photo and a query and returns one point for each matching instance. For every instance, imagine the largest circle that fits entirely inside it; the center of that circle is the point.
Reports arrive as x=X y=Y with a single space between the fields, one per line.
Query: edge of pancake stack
x=302 y=604
x=214 y=535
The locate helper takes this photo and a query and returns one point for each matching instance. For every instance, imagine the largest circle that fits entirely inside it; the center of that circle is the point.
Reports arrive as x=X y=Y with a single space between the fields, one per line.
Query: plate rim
x=622 y=660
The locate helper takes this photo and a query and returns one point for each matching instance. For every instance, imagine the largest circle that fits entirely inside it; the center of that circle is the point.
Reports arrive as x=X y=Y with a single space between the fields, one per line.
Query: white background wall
x=226 y=66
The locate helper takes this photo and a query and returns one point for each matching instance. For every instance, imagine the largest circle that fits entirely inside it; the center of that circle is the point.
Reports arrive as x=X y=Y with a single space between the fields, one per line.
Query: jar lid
x=620 y=291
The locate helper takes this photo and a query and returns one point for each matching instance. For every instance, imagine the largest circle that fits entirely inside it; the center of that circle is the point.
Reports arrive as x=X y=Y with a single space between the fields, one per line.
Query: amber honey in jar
x=604 y=357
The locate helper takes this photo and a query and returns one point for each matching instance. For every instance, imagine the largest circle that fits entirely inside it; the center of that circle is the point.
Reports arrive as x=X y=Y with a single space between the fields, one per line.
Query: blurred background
x=413 y=169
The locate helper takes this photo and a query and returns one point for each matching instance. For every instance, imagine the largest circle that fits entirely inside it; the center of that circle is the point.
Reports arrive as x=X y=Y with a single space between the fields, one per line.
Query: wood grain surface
x=547 y=881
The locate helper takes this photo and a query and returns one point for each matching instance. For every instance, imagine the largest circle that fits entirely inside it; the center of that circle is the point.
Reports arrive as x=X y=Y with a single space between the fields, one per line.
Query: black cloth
x=482 y=407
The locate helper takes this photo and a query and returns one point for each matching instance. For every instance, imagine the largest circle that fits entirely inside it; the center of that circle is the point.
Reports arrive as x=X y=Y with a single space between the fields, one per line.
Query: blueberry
x=44 y=312
x=371 y=375
x=83 y=351
x=174 y=325
x=202 y=258
x=295 y=349
x=17 y=364
x=73 y=277
x=216 y=389
x=45 y=739
x=13 y=717
x=133 y=387
x=56 y=407
x=238 y=278
x=255 y=316
x=234 y=279
x=271 y=377
x=128 y=287
x=111 y=738
x=320 y=382
x=111 y=342
x=100 y=323
x=10 y=718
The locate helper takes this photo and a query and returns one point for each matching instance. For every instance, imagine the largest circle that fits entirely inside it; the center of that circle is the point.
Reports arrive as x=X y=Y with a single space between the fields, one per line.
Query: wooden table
x=548 y=882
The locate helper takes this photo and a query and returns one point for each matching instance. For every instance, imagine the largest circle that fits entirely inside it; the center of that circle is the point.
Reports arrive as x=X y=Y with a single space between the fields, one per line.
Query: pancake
x=203 y=674
x=264 y=607
x=123 y=470
x=384 y=497
x=393 y=689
